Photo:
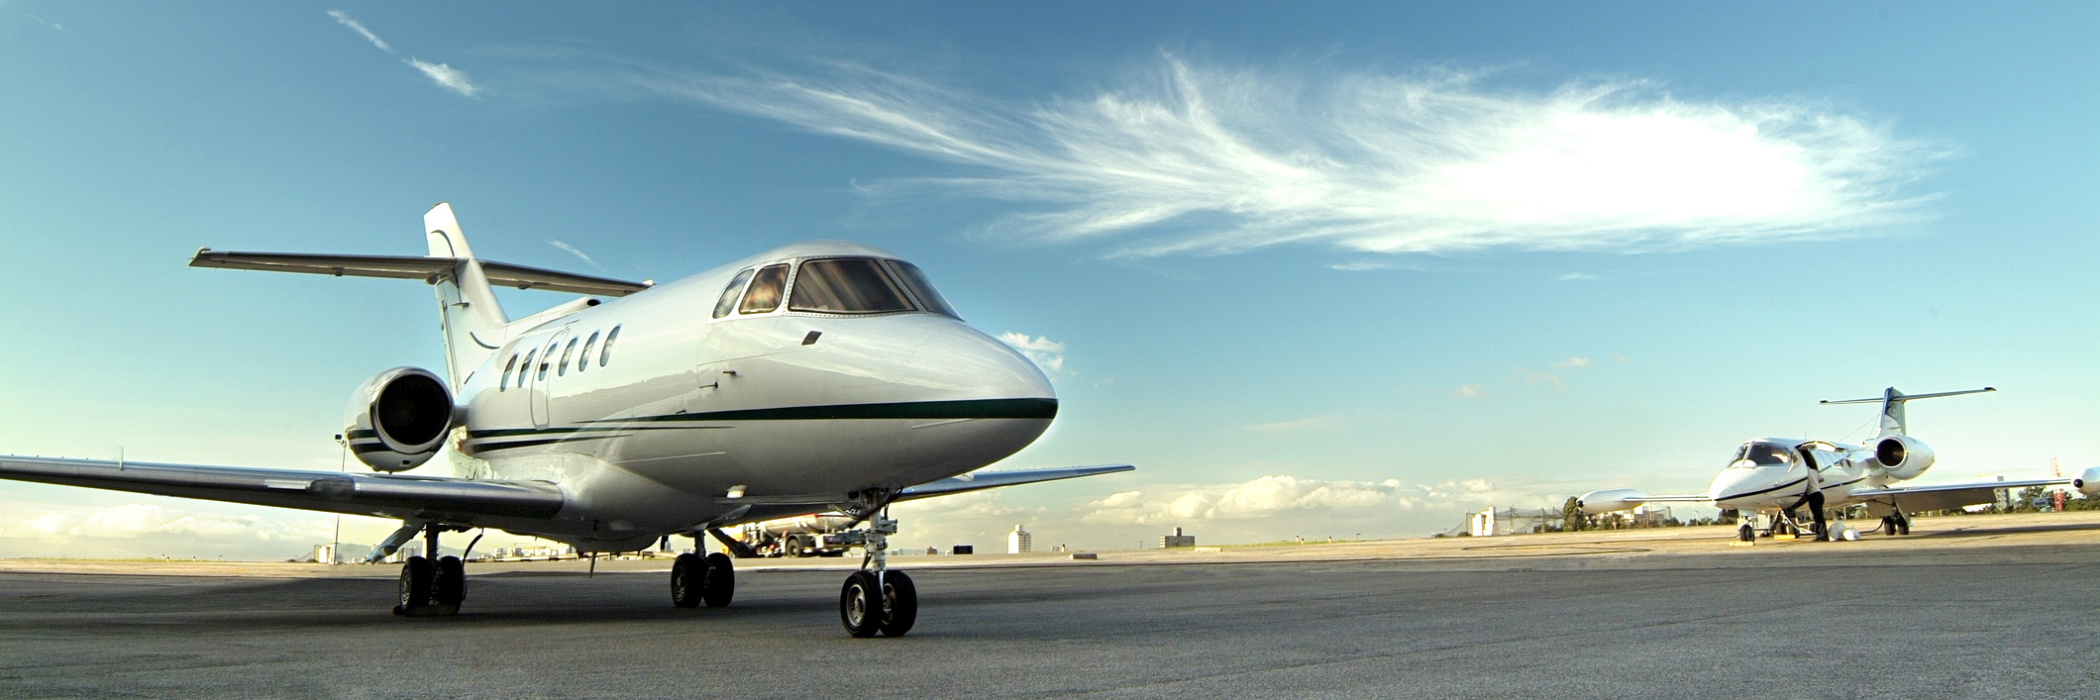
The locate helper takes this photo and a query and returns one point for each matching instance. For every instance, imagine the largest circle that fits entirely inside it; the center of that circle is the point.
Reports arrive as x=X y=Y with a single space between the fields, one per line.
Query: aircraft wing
x=977 y=481
x=1945 y=496
x=382 y=495
x=1608 y=500
x=415 y=267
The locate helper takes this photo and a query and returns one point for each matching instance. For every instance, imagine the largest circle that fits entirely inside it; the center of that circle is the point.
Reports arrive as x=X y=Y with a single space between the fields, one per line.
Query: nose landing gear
x=875 y=599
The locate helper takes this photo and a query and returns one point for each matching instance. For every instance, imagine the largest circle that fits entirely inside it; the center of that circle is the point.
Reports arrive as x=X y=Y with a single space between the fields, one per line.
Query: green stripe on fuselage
x=1040 y=409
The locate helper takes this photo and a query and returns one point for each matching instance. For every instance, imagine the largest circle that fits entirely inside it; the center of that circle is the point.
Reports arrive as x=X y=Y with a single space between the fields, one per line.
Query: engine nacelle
x=1608 y=500
x=1902 y=456
x=2087 y=482
x=398 y=419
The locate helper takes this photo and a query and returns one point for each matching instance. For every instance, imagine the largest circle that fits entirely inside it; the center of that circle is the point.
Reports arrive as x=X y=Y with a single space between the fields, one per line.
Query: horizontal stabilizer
x=389 y=496
x=415 y=267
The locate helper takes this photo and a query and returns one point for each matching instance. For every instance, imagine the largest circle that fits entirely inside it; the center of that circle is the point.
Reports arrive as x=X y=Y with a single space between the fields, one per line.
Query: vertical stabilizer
x=473 y=320
x=1891 y=400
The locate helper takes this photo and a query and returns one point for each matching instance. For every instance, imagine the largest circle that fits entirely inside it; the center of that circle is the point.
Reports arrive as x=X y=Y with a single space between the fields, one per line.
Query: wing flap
x=358 y=494
x=1946 y=496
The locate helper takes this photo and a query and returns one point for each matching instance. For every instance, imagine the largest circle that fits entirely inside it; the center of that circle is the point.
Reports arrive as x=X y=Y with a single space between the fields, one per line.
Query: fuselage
x=1778 y=474
x=807 y=372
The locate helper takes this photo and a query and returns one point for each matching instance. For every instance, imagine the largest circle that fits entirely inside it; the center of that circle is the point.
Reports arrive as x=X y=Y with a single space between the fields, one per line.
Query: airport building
x=1019 y=541
x=1176 y=540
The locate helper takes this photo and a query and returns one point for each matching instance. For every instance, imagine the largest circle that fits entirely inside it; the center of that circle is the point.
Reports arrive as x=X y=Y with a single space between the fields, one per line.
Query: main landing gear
x=697 y=579
x=1895 y=524
x=431 y=585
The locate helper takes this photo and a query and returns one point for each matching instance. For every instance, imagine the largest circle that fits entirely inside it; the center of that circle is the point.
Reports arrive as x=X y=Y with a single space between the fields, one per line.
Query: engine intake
x=1903 y=457
x=398 y=419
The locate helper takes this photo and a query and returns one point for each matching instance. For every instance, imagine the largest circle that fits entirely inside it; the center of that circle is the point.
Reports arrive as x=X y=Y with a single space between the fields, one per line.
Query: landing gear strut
x=431 y=585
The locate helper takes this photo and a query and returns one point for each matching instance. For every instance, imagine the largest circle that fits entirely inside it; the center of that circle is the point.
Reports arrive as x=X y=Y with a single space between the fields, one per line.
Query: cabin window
x=915 y=280
x=563 y=368
x=546 y=361
x=526 y=370
x=507 y=367
x=606 y=354
x=728 y=301
x=584 y=360
x=847 y=286
x=766 y=286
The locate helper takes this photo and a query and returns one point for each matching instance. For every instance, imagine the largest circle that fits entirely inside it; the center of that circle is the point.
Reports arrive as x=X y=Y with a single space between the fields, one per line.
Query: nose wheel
x=876 y=600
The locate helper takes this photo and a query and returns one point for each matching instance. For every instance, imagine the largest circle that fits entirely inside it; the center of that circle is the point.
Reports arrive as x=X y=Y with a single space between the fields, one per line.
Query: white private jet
x=1782 y=475
x=816 y=377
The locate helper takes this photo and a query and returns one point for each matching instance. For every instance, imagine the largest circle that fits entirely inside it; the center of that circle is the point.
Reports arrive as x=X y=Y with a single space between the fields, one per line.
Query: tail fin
x=1892 y=401
x=474 y=323
x=473 y=320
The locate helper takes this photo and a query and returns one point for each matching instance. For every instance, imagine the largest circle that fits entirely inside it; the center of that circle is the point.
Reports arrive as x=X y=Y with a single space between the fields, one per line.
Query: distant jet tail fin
x=1891 y=400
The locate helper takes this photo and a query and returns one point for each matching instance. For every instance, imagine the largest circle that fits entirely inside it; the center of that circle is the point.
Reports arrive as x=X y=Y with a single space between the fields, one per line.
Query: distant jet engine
x=398 y=419
x=1902 y=456
x=2087 y=482
x=1608 y=500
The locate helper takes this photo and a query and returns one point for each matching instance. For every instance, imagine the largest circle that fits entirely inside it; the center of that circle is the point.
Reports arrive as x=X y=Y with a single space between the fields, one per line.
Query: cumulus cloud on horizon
x=1198 y=159
x=1044 y=352
x=1284 y=496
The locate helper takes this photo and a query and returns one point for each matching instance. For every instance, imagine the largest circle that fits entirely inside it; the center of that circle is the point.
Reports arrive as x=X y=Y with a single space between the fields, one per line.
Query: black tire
x=1902 y=525
x=1888 y=526
x=860 y=608
x=688 y=580
x=902 y=599
x=1746 y=533
x=418 y=577
x=720 y=583
x=450 y=590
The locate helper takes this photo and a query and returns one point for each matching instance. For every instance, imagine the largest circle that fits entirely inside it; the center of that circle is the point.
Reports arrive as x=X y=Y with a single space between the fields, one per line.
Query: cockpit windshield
x=1762 y=454
x=846 y=285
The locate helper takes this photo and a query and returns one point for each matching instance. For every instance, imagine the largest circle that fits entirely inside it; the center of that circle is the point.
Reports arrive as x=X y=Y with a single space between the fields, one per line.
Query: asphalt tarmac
x=2004 y=611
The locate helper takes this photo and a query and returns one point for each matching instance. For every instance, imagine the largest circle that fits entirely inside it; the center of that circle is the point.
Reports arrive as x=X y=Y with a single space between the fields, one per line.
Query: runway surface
x=1963 y=618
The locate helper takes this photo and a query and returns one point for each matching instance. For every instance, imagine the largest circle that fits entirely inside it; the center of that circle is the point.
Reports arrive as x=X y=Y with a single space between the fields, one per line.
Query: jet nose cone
x=1732 y=486
x=957 y=362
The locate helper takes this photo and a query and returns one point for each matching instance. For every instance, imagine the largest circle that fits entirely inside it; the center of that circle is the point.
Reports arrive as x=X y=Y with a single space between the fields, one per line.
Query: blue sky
x=1319 y=270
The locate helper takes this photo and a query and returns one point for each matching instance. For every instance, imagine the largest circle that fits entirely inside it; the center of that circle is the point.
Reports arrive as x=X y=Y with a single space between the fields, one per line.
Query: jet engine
x=397 y=419
x=1902 y=456
x=2087 y=482
x=1608 y=500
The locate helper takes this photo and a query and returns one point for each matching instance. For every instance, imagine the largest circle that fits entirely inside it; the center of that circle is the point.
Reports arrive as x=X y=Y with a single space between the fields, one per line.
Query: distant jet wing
x=386 y=496
x=1945 y=496
x=977 y=481
x=415 y=267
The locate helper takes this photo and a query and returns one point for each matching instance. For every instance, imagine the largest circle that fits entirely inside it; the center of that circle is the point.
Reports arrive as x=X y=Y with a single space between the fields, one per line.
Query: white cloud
x=578 y=253
x=1572 y=363
x=1289 y=425
x=1579 y=277
x=1044 y=352
x=346 y=20
x=1284 y=496
x=1202 y=160
x=1530 y=377
x=447 y=77
x=1471 y=391
x=144 y=519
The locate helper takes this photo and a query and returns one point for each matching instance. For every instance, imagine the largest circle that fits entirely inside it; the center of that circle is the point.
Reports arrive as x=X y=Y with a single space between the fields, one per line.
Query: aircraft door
x=542 y=370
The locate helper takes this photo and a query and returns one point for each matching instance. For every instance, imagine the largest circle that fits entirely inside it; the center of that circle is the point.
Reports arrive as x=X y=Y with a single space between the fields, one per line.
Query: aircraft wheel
x=450 y=589
x=1903 y=526
x=860 y=608
x=1746 y=533
x=688 y=580
x=1888 y=526
x=903 y=602
x=417 y=578
x=720 y=582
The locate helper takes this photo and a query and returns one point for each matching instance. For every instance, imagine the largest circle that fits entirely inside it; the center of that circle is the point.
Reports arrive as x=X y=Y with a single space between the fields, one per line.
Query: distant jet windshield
x=1762 y=454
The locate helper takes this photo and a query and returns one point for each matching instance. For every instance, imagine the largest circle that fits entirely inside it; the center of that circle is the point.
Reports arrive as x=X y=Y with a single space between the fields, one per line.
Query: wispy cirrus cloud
x=444 y=75
x=346 y=20
x=1194 y=159
x=565 y=247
